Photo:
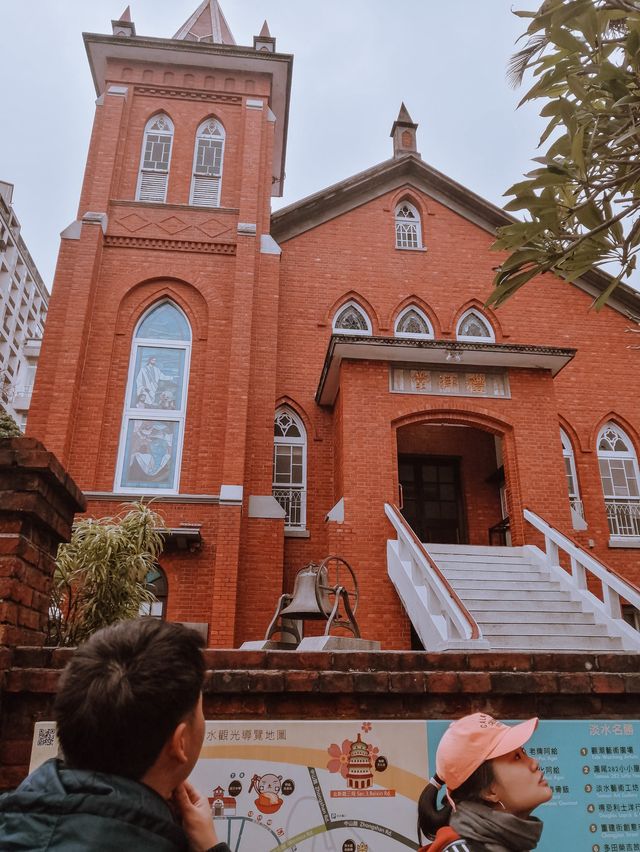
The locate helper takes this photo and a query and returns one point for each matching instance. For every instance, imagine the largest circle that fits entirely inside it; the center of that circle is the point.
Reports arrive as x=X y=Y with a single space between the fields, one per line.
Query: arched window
x=156 y=582
x=619 y=477
x=156 y=157
x=351 y=319
x=156 y=403
x=407 y=220
x=290 y=467
x=412 y=322
x=572 y=476
x=473 y=326
x=207 y=164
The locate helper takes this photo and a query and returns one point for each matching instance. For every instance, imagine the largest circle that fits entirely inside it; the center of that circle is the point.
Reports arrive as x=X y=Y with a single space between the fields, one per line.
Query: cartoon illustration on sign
x=268 y=788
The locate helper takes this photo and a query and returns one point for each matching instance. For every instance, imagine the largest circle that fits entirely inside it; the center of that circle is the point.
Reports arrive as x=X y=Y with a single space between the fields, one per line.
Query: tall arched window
x=156 y=582
x=290 y=467
x=619 y=476
x=473 y=326
x=412 y=322
x=207 y=164
x=155 y=404
x=407 y=221
x=155 y=160
x=572 y=476
x=350 y=318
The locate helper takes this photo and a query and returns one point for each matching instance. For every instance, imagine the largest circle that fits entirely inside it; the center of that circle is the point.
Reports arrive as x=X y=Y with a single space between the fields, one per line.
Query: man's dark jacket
x=57 y=809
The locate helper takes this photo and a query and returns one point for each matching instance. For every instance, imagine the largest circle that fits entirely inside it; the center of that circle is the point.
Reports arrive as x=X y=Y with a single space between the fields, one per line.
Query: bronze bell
x=309 y=601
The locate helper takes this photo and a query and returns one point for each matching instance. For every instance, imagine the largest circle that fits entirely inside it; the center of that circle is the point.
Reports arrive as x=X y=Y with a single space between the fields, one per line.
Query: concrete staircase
x=517 y=603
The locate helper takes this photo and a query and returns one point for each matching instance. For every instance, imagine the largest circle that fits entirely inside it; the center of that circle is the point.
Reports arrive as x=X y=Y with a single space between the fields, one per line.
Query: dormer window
x=407 y=226
x=474 y=327
x=413 y=323
x=155 y=160
x=351 y=319
x=207 y=164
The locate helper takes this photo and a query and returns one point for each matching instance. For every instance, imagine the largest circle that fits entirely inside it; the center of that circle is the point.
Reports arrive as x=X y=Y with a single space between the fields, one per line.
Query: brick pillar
x=38 y=501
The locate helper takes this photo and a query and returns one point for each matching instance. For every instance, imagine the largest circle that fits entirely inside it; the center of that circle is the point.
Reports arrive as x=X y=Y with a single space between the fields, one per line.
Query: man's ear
x=177 y=744
x=489 y=795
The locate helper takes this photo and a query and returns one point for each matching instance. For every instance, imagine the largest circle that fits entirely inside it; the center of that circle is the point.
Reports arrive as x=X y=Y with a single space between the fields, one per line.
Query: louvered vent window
x=207 y=165
x=156 y=156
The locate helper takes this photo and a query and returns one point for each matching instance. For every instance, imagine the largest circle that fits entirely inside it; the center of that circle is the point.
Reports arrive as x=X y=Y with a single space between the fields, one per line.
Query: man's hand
x=195 y=814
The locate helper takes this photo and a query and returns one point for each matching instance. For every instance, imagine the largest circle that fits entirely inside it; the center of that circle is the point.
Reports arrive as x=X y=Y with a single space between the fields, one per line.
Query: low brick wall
x=383 y=685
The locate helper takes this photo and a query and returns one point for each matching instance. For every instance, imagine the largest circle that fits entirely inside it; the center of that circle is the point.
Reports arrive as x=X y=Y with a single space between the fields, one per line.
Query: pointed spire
x=124 y=26
x=264 y=42
x=207 y=24
x=404 y=134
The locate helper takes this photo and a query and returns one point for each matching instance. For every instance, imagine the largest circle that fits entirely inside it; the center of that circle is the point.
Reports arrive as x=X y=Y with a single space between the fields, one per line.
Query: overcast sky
x=355 y=61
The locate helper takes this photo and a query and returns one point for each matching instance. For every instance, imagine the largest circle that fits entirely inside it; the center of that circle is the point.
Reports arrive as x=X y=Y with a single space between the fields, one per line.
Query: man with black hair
x=130 y=724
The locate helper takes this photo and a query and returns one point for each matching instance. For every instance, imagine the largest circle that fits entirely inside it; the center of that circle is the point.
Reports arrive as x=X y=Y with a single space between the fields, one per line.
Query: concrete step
x=473 y=549
x=528 y=629
x=524 y=606
x=555 y=643
x=536 y=616
x=477 y=560
x=470 y=595
x=517 y=575
x=507 y=585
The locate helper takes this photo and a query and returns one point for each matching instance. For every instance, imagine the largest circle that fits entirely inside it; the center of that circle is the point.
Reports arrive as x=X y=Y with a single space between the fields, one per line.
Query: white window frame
x=279 y=486
x=142 y=172
x=626 y=504
x=429 y=335
x=471 y=338
x=401 y=222
x=352 y=304
x=130 y=413
x=207 y=178
x=569 y=458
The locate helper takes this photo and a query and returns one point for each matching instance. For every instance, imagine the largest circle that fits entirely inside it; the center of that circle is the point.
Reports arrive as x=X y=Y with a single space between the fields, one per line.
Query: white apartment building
x=23 y=310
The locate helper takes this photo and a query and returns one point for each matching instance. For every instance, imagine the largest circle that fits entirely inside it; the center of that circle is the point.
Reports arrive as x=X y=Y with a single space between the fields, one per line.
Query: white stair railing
x=438 y=615
x=613 y=586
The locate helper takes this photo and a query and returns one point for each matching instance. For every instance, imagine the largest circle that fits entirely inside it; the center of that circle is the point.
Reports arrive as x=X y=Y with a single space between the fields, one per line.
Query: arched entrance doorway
x=452 y=483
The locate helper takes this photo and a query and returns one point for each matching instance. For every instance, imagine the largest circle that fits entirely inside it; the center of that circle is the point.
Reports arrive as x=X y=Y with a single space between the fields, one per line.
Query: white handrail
x=613 y=585
x=438 y=615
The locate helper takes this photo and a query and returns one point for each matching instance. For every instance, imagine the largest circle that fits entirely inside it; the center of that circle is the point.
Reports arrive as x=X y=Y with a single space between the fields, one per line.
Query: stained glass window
x=407 y=221
x=351 y=319
x=620 y=477
x=207 y=164
x=412 y=322
x=155 y=408
x=155 y=159
x=290 y=467
x=473 y=326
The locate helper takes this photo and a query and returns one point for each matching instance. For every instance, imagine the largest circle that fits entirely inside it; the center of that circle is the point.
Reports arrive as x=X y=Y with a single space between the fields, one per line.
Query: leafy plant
x=583 y=201
x=100 y=574
x=8 y=426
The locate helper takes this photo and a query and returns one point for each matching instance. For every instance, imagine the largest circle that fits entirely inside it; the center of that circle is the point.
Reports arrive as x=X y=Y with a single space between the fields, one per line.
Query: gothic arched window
x=290 y=467
x=207 y=164
x=412 y=322
x=571 y=473
x=407 y=221
x=619 y=477
x=155 y=159
x=474 y=327
x=350 y=318
x=156 y=403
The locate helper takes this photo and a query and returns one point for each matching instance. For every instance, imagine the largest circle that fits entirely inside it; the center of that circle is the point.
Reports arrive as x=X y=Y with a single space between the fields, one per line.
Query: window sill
x=631 y=541
x=297 y=533
x=409 y=248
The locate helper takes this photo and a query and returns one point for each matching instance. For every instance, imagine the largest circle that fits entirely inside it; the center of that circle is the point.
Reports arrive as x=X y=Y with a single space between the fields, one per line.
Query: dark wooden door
x=432 y=498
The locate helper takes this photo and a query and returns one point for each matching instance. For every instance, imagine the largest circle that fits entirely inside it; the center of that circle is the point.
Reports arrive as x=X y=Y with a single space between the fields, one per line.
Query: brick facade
x=261 y=324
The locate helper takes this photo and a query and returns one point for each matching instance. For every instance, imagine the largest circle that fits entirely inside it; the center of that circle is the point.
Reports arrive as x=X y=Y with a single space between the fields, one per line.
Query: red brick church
x=327 y=379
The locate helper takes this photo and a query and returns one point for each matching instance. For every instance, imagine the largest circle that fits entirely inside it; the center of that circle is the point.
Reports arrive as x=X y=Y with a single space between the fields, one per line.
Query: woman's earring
x=501 y=805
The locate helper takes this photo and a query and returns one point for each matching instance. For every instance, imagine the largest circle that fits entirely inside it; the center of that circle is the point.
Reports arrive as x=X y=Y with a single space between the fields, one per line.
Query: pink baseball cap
x=467 y=743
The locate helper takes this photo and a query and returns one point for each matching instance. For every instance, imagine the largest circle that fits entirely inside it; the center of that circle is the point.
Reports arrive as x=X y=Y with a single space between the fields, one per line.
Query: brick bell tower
x=157 y=374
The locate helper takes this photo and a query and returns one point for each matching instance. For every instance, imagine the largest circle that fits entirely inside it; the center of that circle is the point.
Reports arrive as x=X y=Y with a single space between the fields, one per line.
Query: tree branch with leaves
x=582 y=202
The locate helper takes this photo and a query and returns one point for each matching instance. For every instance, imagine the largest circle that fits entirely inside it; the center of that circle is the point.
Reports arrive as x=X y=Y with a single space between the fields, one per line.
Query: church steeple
x=124 y=26
x=404 y=134
x=264 y=42
x=207 y=24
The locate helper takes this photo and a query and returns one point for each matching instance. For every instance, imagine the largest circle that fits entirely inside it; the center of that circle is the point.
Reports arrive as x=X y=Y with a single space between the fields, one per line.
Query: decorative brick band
x=171 y=245
x=187 y=94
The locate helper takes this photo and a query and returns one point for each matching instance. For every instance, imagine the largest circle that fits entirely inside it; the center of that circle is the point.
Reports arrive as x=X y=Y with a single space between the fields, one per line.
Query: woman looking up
x=492 y=784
